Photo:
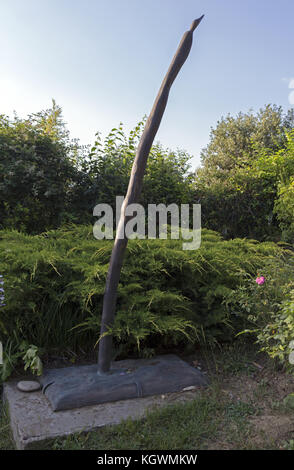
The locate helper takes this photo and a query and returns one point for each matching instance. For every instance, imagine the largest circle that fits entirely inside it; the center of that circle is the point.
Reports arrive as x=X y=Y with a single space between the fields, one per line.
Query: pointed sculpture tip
x=196 y=23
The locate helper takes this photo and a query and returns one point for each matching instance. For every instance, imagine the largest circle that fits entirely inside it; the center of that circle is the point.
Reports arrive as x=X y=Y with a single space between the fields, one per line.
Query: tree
x=36 y=171
x=236 y=141
x=109 y=164
x=47 y=179
x=238 y=199
x=283 y=163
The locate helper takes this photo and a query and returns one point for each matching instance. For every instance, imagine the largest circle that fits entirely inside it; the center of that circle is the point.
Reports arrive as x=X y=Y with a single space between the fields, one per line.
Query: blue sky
x=103 y=62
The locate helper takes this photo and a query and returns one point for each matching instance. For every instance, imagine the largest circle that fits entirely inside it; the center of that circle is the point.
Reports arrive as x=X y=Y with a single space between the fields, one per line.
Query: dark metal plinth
x=78 y=386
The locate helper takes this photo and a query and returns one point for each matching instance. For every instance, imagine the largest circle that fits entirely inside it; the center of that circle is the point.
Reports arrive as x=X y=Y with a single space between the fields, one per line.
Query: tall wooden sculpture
x=133 y=194
x=78 y=386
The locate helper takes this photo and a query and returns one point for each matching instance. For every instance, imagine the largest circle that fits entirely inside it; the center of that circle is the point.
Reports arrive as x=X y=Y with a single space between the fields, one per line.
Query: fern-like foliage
x=54 y=285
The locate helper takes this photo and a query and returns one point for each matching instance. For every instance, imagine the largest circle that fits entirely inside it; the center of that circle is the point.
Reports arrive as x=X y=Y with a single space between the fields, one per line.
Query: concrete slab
x=32 y=419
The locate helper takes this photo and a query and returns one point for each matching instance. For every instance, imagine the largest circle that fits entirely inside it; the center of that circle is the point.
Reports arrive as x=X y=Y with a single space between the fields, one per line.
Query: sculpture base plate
x=78 y=386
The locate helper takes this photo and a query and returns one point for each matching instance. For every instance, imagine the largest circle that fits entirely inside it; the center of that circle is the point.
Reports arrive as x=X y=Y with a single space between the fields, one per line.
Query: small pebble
x=28 y=386
x=291 y=356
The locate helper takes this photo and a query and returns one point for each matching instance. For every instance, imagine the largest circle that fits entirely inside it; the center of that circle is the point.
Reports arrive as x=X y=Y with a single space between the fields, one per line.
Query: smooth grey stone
x=28 y=386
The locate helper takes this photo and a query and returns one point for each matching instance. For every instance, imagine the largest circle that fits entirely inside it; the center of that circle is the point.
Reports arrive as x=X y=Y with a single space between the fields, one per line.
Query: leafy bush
x=37 y=171
x=284 y=207
x=269 y=308
x=54 y=285
x=275 y=337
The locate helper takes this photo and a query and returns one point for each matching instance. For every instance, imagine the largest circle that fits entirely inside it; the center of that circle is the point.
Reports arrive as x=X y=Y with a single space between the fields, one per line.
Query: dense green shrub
x=284 y=208
x=54 y=286
x=275 y=172
x=269 y=308
x=107 y=168
x=47 y=179
x=37 y=171
x=276 y=337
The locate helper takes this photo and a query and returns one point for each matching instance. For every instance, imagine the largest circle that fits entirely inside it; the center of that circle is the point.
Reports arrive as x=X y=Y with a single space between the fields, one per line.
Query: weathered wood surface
x=133 y=194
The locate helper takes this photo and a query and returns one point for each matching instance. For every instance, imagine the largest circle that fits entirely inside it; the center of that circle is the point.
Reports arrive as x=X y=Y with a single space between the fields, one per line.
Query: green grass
x=174 y=427
x=188 y=426
x=6 y=441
